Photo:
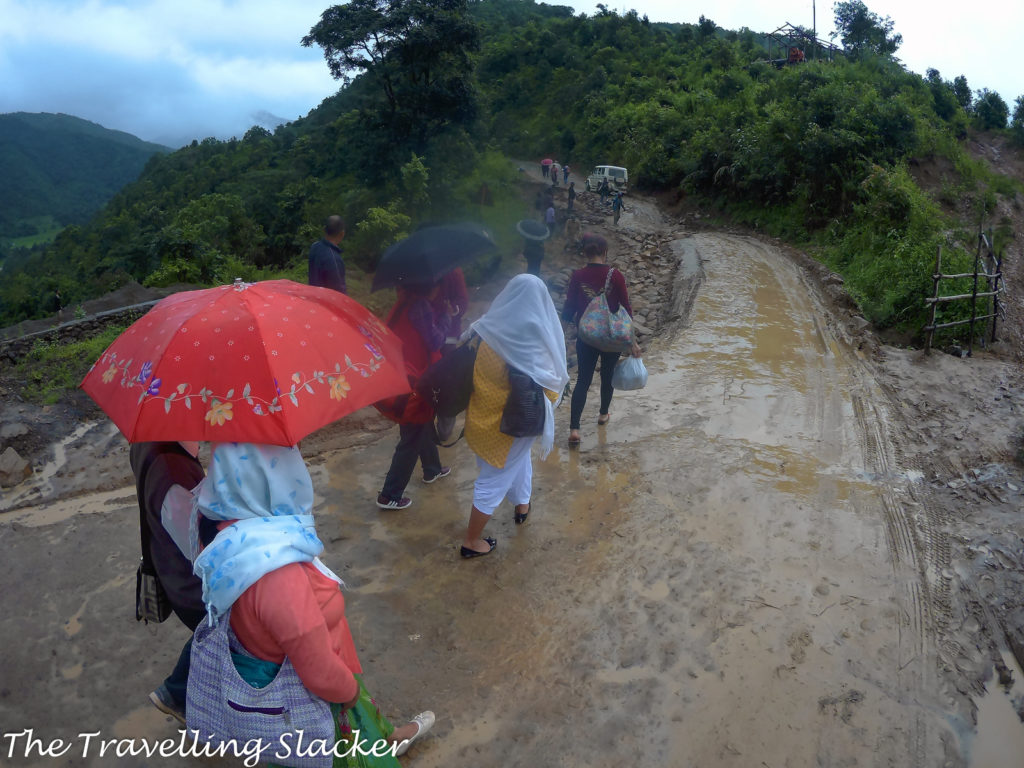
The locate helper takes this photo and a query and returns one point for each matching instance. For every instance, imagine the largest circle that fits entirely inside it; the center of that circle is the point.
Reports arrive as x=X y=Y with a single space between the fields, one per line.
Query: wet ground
x=769 y=557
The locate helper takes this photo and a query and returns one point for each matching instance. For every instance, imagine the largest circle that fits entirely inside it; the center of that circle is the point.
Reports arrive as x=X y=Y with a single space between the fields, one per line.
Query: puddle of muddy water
x=999 y=741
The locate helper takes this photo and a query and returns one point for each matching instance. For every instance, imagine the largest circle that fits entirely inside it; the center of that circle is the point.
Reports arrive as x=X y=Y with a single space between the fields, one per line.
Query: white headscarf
x=268 y=490
x=522 y=327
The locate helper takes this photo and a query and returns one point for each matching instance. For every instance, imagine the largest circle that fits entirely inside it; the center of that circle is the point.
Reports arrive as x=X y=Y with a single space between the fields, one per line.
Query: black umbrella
x=429 y=253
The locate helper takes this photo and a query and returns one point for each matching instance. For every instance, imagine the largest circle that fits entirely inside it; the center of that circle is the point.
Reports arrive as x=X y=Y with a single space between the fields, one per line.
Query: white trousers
x=514 y=481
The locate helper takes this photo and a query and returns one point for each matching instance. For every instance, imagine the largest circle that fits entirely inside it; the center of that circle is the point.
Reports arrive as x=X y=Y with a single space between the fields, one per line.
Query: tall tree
x=962 y=91
x=863 y=32
x=417 y=54
x=990 y=111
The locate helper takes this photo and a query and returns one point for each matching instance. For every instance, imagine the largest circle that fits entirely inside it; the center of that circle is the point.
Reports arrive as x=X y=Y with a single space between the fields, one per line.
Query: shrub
x=51 y=369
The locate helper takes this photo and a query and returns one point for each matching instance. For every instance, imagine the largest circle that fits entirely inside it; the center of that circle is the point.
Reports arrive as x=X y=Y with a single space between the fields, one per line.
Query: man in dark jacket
x=326 y=267
x=165 y=474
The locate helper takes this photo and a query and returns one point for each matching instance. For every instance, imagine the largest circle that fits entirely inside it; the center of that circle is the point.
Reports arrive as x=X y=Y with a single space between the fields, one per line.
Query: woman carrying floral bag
x=593 y=280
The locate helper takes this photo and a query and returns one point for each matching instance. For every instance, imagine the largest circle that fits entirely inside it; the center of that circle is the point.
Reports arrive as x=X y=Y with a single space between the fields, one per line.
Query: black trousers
x=415 y=441
x=586 y=361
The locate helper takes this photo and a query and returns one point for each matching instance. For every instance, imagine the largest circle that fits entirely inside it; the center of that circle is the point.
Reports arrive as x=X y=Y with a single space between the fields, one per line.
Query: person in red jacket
x=584 y=285
x=422 y=333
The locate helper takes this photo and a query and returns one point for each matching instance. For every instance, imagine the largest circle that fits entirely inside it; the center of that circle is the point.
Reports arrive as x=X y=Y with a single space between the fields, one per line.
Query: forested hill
x=823 y=153
x=59 y=170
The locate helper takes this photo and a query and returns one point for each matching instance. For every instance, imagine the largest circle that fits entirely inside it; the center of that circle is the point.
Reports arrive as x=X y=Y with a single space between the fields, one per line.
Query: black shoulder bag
x=151 y=603
x=524 y=412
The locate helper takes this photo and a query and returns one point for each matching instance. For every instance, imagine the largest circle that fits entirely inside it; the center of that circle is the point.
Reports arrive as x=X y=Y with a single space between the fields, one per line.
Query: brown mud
x=795 y=547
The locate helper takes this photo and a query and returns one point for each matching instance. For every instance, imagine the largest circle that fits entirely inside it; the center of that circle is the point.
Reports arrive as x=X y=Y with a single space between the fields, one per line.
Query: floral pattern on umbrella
x=216 y=362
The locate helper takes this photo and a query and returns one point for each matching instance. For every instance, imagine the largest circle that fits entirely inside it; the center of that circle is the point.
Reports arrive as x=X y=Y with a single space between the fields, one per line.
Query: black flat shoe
x=521 y=518
x=467 y=552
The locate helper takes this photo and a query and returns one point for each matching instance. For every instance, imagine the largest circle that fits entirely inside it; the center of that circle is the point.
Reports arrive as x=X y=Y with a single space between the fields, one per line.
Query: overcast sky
x=173 y=70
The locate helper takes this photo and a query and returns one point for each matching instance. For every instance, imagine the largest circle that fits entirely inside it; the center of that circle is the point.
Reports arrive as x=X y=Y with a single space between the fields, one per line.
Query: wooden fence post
x=974 y=296
x=931 y=324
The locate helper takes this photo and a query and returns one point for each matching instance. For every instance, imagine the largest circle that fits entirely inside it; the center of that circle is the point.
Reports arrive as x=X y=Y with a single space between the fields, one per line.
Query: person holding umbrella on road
x=534 y=234
x=423 y=333
x=416 y=266
x=267 y=363
x=261 y=572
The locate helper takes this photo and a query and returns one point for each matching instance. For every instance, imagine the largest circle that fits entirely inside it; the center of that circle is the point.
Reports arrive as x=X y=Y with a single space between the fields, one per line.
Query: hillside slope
x=62 y=167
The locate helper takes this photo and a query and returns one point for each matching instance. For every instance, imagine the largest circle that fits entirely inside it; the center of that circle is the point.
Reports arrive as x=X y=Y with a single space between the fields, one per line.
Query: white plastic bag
x=630 y=373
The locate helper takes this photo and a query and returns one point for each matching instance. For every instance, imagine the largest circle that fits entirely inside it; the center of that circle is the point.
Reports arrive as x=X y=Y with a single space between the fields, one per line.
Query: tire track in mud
x=916 y=533
x=918 y=546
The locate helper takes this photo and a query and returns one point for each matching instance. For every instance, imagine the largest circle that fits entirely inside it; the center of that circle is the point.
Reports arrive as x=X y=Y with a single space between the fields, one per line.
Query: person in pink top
x=260 y=564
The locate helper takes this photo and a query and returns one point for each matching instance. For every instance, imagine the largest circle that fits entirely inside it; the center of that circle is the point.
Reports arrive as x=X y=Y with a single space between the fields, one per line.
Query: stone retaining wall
x=12 y=350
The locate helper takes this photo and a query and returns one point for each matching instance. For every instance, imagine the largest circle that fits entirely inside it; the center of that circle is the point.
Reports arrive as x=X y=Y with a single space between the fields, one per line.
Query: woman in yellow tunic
x=521 y=330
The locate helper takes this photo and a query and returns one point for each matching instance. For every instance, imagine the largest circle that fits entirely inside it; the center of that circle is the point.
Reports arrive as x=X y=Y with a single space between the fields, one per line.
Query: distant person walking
x=604 y=190
x=571 y=197
x=545 y=168
x=584 y=285
x=326 y=267
x=549 y=218
x=565 y=174
x=617 y=207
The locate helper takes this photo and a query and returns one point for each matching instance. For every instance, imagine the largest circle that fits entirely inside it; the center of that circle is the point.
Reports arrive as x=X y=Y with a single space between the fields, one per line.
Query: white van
x=618 y=178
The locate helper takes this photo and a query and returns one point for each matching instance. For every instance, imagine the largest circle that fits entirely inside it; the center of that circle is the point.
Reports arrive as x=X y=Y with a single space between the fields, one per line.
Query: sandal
x=521 y=518
x=467 y=552
x=603 y=419
x=573 y=441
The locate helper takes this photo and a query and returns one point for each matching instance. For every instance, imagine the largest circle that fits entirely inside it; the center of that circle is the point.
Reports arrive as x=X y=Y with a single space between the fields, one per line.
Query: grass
x=40 y=238
x=46 y=230
x=52 y=369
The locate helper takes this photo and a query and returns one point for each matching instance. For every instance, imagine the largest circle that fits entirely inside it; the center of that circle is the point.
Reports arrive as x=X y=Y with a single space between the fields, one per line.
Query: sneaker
x=424 y=722
x=163 y=701
x=445 y=471
x=385 y=503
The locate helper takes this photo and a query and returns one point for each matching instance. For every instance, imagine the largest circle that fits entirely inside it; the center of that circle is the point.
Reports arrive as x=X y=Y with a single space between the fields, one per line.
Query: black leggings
x=586 y=360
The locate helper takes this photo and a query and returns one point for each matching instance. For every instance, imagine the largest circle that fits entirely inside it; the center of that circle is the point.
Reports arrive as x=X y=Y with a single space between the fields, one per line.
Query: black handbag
x=151 y=601
x=448 y=383
x=524 y=412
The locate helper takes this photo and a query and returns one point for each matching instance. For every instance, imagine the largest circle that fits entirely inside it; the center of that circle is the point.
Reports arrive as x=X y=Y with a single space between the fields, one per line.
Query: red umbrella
x=547 y=161
x=264 y=362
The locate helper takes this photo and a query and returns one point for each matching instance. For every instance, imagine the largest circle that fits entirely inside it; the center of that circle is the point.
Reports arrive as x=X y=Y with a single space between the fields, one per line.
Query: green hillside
x=59 y=170
x=821 y=153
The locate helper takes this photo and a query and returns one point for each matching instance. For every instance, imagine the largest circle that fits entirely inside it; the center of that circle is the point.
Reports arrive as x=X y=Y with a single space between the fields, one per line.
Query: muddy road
x=754 y=563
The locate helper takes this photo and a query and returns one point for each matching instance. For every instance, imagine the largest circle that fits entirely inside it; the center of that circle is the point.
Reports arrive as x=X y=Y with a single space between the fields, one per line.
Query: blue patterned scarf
x=268 y=491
